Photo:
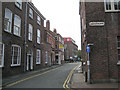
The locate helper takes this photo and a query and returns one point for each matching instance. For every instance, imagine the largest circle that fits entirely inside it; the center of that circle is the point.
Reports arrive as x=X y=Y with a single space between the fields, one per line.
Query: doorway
x=29 y=60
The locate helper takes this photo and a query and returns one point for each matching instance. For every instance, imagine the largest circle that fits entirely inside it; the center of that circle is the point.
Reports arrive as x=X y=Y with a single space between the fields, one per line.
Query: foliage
x=79 y=53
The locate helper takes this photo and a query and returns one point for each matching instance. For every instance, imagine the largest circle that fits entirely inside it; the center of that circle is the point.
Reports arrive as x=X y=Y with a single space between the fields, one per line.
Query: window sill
x=38 y=43
x=46 y=62
x=1 y=66
x=7 y=31
x=17 y=35
x=112 y=11
x=38 y=63
x=12 y=65
x=30 y=40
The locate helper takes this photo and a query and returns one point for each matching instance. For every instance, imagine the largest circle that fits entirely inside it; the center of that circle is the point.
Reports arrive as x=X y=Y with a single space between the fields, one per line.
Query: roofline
x=36 y=10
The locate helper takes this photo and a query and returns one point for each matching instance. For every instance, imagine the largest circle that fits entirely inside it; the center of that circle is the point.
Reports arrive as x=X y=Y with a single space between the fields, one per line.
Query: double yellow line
x=65 y=85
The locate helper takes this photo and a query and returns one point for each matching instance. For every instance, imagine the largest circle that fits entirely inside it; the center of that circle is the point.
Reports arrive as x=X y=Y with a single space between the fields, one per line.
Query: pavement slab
x=78 y=82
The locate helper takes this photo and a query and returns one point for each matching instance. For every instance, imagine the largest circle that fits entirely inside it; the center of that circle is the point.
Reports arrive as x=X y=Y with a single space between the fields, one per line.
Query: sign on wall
x=60 y=45
x=96 y=24
x=87 y=49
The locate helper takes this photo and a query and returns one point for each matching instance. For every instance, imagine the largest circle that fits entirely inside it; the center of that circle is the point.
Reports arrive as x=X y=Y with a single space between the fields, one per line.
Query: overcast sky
x=63 y=15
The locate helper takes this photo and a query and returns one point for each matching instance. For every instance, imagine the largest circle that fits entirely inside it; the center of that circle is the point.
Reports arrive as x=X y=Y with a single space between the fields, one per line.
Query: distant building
x=59 y=48
x=71 y=49
x=100 y=25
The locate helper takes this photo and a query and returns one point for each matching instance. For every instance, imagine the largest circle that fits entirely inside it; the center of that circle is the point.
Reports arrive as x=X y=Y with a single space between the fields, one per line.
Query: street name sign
x=96 y=24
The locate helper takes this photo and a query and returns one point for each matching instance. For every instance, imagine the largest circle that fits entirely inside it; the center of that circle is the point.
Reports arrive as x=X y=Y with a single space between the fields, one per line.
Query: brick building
x=100 y=25
x=51 y=40
x=24 y=46
x=71 y=49
x=59 y=48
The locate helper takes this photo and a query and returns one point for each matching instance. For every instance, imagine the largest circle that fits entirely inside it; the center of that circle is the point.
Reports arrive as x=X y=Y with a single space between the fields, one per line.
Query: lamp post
x=88 y=62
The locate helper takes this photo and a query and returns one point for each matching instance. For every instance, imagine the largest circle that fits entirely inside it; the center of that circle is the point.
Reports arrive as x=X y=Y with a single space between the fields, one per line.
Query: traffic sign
x=87 y=49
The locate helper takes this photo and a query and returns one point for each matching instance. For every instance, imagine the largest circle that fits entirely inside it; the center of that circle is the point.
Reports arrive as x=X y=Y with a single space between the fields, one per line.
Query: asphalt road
x=53 y=78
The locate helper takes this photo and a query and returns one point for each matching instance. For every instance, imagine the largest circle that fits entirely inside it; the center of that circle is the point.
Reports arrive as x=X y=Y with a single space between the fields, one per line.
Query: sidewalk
x=12 y=79
x=78 y=82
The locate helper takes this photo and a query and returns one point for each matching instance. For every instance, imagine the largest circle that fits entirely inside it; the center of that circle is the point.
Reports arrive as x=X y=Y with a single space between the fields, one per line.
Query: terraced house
x=100 y=25
x=24 y=44
x=59 y=48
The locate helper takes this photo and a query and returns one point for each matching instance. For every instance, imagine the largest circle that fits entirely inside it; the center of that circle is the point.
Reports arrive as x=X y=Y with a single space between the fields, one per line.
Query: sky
x=63 y=15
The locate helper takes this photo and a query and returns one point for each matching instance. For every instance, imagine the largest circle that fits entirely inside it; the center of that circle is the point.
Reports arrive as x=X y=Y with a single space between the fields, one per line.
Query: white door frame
x=29 y=63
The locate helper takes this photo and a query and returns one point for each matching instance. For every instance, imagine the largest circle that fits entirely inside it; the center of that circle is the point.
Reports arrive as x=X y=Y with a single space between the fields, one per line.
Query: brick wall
x=103 y=55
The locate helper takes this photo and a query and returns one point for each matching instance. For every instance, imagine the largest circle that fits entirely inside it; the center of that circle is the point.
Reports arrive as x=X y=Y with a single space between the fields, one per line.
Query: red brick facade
x=35 y=45
x=104 y=53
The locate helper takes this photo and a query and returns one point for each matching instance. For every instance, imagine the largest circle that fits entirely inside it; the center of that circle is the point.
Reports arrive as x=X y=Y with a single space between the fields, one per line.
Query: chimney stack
x=55 y=31
x=48 y=25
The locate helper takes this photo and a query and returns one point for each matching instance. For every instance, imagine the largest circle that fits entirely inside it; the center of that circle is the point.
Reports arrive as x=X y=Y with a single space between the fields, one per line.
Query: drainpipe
x=25 y=42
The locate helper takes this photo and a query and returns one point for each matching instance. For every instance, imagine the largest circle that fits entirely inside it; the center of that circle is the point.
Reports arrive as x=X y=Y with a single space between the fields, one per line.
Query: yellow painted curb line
x=65 y=85
x=12 y=84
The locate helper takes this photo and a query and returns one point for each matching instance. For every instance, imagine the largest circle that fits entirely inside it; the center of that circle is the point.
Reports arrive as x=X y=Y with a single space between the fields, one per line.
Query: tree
x=79 y=53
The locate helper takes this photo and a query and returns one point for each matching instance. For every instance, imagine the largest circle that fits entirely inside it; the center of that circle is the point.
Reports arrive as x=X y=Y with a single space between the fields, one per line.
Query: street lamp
x=88 y=62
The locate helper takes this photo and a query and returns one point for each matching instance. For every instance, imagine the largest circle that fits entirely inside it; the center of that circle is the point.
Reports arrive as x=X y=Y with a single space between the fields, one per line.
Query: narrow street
x=53 y=78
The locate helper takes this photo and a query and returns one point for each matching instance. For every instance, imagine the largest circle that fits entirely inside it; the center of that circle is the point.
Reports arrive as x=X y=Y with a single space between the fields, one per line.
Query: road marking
x=65 y=85
x=12 y=84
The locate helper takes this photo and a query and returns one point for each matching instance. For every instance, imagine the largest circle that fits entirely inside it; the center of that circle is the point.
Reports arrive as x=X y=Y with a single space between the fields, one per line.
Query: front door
x=29 y=62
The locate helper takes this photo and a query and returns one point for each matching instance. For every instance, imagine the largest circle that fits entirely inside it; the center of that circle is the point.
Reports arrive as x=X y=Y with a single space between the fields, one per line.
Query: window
x=68 y=39
x=30 y=13
x=17 y=25
x=18 y=3
x=30 y=32
x=117 y=4
x=46 y=57
x=118 y=41
x=1 y=55
x=16 y=55
x=38 y=36
x=59 y=39
x=55 y=38
x=8 y=20
x=112 y=5
x=56 y=46
x=38 y=57
x=38 y=20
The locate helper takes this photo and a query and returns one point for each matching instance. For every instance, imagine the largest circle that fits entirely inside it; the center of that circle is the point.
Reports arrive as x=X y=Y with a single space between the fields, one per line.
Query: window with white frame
x=16 y=55
x=112 y=5
x=30 y=31
x=56 y=38
x=17 y=25
x=38 y=36
x=30 y=13
x=1 y=55
x=46 y=57
x=18 y=3
x=118 y=47
x=38 y=20
x=38 y=56
x=8 y=20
